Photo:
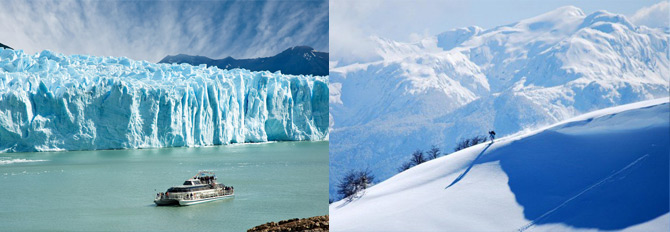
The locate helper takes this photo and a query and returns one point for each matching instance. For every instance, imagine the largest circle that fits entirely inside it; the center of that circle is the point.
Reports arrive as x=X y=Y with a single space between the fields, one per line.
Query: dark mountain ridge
x=5 y=46
x=299 y=60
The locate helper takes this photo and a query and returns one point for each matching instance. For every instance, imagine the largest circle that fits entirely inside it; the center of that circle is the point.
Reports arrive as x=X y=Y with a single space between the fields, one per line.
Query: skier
x=493 y=135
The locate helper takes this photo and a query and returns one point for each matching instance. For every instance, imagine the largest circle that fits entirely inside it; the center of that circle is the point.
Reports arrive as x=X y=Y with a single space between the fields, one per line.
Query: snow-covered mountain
x=467 y=81
x=605 y=170
x=49 y=101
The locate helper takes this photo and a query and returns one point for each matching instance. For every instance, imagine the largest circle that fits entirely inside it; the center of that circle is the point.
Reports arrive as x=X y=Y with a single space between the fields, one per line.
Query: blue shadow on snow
x=460 y=177
x=588 y=181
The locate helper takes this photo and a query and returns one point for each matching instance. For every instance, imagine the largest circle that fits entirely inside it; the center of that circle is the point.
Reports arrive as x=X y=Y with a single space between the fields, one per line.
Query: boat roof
x=204 y=173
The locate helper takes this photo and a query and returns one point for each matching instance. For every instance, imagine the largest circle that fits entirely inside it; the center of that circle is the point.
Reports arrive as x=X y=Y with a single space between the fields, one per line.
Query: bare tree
x=468 y=142
x=433 y=153
x=347 y=187
x=405 y=166
x=417 y=157
x=354 y=182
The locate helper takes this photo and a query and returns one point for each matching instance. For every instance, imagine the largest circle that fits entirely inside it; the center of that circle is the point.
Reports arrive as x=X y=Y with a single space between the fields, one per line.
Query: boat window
x=197 y=182
x=187 y=183
x=185 y=189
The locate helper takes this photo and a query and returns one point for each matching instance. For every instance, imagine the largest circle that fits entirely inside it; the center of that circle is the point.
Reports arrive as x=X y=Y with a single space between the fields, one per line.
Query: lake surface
x=114 y=189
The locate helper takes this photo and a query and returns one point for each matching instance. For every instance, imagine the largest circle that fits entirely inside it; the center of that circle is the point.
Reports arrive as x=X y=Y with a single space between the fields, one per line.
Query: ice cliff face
x=49 y=101
x=468 y=81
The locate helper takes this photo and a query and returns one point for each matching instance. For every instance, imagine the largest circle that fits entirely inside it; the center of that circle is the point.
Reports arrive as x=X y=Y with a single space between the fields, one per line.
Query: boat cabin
x=192 y=182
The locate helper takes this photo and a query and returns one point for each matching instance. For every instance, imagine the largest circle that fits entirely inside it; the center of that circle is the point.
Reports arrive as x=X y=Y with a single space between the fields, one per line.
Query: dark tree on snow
x=433 y=153
x=468 y=142
x=354 y=182
x=405 y=166
x=347 y=185
x=417 y=157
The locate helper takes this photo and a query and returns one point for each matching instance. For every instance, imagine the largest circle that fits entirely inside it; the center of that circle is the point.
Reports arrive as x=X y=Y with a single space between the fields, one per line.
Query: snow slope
x=49 y=101
x=605 y=170
x=467 y=81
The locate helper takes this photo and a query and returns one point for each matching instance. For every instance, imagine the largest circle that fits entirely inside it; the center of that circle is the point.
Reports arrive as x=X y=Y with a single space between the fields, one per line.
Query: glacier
x=53 y=102
x=465 y=82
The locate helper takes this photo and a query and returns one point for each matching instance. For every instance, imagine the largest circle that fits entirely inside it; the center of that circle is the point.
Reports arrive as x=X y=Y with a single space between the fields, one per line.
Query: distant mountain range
x=300 y=60
x=5 y=46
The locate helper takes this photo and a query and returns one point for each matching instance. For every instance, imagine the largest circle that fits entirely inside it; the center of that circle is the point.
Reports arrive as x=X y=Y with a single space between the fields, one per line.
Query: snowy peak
x=453 y=38
x=300 y=50
x=563 y=12
x=467 y=81
x=394 y=50
x=606 y=17
x=560 y=20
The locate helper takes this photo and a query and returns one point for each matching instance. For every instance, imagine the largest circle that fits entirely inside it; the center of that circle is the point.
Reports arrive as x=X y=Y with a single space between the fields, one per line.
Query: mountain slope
x=5 y=46
x=605 y=170
x=467 y=81
x=300 y=60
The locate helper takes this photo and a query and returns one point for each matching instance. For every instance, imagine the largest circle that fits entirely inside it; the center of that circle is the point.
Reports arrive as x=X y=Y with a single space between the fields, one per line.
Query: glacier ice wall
x=49 y=101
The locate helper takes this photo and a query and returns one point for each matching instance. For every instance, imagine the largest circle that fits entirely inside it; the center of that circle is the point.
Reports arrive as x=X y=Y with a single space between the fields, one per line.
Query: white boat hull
x=203 y=200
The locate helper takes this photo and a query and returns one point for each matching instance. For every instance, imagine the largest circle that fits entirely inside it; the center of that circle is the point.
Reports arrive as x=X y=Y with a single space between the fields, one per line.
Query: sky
x=352 y=21
x=150 y=30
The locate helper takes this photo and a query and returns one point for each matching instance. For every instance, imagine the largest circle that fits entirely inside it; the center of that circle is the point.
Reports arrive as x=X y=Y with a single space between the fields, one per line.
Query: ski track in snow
x=533 y=222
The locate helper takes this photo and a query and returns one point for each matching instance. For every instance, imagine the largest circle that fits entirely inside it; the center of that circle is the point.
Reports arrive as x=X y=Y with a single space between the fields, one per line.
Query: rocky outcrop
x=314 y=224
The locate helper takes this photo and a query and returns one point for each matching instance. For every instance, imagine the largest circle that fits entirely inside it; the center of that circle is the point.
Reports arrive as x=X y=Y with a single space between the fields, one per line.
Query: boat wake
x=9 y=160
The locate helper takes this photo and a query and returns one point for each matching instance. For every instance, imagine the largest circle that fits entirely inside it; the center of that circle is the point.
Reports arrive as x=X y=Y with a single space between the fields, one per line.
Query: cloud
x=353 y=23
x=349 y=38
x=657 y=15
x=150 y=30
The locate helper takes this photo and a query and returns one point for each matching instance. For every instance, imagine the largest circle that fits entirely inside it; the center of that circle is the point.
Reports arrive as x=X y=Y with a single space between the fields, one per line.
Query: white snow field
x=468 y=81
x=49 y=101
x=605 y=170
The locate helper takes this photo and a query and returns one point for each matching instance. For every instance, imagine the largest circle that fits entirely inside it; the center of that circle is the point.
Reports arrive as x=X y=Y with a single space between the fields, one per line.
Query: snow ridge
x=510 y=78
x=49 y=102
x=605 y=170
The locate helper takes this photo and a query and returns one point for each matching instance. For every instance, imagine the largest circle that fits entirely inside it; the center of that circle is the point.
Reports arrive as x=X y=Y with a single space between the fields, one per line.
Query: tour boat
x=200 y=188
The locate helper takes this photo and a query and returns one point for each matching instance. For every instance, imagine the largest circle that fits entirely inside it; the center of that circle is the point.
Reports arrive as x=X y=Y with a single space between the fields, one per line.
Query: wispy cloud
x=657 y=15
x=149 y=30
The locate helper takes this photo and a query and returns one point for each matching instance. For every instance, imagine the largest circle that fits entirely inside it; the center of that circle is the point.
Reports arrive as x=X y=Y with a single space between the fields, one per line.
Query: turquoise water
x=114 y=189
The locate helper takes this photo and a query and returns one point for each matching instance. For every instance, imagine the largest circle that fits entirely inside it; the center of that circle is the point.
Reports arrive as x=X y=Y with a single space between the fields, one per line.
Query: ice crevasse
x=49 y=101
